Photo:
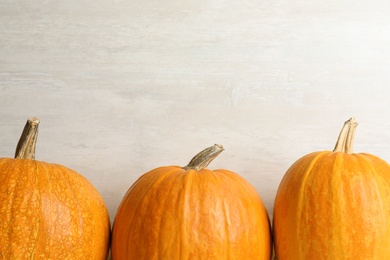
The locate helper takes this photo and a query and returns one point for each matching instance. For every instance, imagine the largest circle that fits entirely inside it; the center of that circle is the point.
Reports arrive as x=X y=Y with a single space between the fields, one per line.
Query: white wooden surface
x=122 y=87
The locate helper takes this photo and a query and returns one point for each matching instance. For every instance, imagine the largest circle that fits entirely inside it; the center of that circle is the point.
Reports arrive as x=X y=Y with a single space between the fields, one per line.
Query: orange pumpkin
x=334 y=205
x=48 y=211
x=191 y=212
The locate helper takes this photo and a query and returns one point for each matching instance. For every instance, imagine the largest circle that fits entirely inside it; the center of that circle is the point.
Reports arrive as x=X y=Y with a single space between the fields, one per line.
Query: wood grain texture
x=140 y=84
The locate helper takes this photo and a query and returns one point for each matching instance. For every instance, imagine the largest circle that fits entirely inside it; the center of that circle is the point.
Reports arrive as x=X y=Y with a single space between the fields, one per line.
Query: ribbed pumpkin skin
x=172 y=213
x=334 y=205
x=48 y=211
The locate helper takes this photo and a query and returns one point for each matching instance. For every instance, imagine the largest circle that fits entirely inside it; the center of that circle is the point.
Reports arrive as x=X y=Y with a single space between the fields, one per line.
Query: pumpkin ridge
x=226 y=177
x=175 y=176
x=10 y=216
x=339 y=202
x=226 y=228
x=370 y=158
x=383 y=164
x=19 y=204
x=43 y=177
x=68 y=183
x=74 y=202
x=10 y=170
x=306 y=174
x=367 y=190
x=38 y=222
x=97 y=202
x=49 y=192
x=378 y=194
x=145 y=193
x=368 y=164
x=182 y=208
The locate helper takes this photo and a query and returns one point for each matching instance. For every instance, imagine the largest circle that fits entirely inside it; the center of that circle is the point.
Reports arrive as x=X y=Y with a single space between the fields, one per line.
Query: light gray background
x=122 y=87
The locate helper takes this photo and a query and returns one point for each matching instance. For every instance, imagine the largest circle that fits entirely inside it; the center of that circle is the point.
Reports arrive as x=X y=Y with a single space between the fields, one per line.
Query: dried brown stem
x=202 y=159
x=27 y=142
x=345 y=141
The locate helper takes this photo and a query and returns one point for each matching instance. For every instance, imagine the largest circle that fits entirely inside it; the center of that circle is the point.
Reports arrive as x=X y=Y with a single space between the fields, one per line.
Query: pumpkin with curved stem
x=334 y=205
x=48 y=211
x=191 y=212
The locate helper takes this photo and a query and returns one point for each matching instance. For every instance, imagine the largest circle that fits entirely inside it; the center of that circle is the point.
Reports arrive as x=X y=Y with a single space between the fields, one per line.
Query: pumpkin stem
x=345 y=141
x=202 y=159
x=27 y=142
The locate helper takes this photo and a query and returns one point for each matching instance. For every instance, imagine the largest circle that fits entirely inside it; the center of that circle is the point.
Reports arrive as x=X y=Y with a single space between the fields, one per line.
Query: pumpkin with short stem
x=48 y=211
x=334 y=205
x=191 y=212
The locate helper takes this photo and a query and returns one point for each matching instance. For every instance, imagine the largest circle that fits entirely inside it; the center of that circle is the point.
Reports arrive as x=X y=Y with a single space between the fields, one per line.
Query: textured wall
x=122 y=87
